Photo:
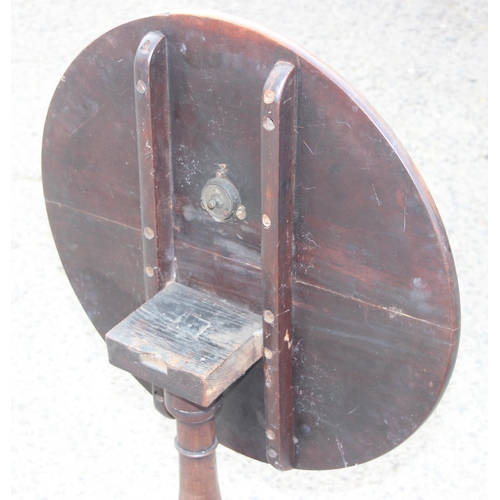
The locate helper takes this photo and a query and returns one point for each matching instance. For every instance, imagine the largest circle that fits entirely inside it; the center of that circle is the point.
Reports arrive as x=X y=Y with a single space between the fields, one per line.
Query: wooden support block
x=154 y=158
x=278 y=151
x=190 y=343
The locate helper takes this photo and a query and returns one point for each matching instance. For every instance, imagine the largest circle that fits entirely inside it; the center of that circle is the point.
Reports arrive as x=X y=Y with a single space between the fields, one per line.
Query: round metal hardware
x=220 y=198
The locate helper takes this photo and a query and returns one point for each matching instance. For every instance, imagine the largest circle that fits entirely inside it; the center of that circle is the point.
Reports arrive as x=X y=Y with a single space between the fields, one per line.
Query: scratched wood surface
x=374 y=291
x=187 y=341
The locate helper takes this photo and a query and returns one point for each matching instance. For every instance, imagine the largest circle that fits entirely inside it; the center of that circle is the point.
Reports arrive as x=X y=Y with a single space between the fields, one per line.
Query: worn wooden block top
x=188 y=342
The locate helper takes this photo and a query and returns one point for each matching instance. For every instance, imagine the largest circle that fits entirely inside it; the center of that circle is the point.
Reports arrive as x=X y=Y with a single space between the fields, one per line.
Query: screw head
x=268 y=354
x=270 y=434
x=241 y=212
x=220 y=198
x=141 y=86
x=269 y=96
x=268 y=124
x=145 y=47
x=268 y=316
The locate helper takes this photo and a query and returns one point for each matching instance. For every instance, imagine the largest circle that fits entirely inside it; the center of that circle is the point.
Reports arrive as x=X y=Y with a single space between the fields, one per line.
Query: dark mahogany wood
x=278 y=120
x=375 y=304
x=155 y=170
x=187 y=342
x=196 y=443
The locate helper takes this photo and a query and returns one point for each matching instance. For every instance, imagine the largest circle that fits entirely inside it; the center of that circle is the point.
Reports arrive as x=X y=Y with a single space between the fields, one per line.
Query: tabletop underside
x=375 y=297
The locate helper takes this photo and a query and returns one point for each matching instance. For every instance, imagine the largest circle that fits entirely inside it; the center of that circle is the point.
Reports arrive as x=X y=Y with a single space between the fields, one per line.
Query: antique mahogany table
x=252 y=241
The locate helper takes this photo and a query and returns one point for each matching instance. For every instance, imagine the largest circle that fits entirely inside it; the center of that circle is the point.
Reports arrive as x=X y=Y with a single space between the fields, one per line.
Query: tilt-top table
x=252 y=241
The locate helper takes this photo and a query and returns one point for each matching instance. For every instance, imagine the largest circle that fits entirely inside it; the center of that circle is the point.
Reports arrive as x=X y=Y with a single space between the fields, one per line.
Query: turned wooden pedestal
x=196 y=443
x=193 y=346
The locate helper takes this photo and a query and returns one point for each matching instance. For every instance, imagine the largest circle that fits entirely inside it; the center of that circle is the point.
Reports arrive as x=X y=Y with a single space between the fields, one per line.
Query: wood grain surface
x=374 y=290
x=188 y=342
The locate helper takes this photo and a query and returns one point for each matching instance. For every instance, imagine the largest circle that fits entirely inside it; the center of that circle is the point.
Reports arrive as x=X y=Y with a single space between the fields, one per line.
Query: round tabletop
x=375 y=303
